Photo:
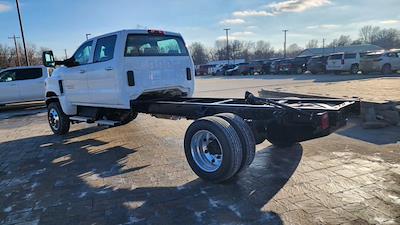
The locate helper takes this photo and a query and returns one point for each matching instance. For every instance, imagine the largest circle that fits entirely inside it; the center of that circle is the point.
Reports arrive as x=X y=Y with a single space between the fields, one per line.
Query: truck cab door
x=30 y=82
x=102 y=74
x=74 y=77
x=8 y=87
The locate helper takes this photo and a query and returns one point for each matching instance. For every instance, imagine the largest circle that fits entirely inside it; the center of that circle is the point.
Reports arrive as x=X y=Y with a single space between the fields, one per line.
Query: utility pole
x=87 y=36
x=227 y=43
x=22 y=33
x=323 y=46
x=65 y=51
x=16 y=48
x=284 y=44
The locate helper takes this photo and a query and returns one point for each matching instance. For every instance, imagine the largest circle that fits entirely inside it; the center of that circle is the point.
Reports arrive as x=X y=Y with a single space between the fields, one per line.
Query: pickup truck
x=113 y=77
x=23 y=84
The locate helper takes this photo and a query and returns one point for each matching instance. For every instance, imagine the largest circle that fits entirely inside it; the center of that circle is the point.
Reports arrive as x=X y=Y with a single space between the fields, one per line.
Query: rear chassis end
x=299 y=119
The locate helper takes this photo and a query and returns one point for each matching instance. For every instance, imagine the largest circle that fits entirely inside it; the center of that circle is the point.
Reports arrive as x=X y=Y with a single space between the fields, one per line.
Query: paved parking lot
x=137 y=174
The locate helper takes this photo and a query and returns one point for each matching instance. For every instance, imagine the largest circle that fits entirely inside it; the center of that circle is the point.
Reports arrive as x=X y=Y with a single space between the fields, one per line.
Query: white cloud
x=324 y=26
x=252 y=27
x=232 y=22
x=252 y=13
x=4 y=7
x=390 y=22
x=276 y=8
x=237 y=35
x=242 y=33
x=296 y=5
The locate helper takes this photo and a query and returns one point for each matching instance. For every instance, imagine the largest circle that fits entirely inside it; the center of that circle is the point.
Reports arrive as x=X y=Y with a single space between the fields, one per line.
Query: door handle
x=82 y=71
x=108 y=68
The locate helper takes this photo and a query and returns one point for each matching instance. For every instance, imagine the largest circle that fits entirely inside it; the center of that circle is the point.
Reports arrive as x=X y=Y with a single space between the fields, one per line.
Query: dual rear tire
x=217 y=148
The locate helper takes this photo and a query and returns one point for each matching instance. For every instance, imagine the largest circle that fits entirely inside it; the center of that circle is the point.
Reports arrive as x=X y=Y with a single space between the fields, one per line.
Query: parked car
x=297 y=65
x=285 y=66
x=317 y=64
x=385 y=62
x=274 y=67
x=257 y=66
x=241 y=69
x=221 y=71
x=343 y=62
x=23 y=84
x=202 y=70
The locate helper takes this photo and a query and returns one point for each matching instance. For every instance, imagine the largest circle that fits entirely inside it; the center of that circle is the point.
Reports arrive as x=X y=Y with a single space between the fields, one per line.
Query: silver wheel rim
x=206 y=151
x=54 y=119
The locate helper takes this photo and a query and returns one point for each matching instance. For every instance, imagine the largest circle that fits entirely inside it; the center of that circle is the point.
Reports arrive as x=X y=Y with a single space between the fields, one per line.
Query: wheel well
x=51 y=97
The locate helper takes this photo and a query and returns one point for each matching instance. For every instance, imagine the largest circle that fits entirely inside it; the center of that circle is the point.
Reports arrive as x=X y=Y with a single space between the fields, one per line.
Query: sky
x=62 y=24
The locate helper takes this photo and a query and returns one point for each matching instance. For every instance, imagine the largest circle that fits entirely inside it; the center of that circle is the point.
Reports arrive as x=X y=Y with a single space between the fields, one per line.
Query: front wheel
x=58 y=121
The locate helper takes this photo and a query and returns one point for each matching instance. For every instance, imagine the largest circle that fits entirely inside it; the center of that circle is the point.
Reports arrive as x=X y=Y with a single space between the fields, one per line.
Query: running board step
x=82 y=119
x=108 y=122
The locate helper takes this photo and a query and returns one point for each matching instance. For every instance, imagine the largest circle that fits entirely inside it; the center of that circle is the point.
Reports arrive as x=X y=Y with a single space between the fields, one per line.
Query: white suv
x=343 y=62
x=108 y=72
x=23 y=84
x=384 y=62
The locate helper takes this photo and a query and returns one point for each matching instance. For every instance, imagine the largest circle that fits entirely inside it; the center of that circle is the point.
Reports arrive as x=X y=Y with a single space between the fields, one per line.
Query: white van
x=22 y=84
x=343 y=62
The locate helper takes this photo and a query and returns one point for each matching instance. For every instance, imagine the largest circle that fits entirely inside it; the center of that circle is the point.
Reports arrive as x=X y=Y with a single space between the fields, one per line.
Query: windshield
x=150 y=45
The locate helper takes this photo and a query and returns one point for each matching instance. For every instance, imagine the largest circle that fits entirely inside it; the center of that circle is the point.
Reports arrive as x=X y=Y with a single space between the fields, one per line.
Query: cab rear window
x=154 y=45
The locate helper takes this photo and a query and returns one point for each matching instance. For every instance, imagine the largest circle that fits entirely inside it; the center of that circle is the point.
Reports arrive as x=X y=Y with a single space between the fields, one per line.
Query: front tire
x=59 y=122
x=213 y=149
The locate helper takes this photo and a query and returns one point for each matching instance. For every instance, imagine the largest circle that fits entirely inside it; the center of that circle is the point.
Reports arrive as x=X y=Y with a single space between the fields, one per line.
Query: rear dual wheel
x=219 y=147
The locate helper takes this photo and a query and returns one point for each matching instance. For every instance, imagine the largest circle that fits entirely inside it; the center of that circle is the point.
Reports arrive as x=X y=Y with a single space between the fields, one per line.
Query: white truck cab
x=108 y=72
x=23 y=84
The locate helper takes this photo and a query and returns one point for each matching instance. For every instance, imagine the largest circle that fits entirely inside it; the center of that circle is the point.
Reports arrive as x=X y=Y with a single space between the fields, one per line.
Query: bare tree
x=263 y=50
x=312 y=44
x=199 y=53
x=293 y=50
x=368 y=34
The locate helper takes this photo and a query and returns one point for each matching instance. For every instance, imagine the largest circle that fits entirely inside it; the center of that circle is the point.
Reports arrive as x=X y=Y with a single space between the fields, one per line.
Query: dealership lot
x=137 y=174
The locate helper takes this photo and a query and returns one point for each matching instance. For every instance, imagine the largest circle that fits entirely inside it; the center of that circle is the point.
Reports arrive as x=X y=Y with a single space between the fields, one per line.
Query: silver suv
x=385 y=62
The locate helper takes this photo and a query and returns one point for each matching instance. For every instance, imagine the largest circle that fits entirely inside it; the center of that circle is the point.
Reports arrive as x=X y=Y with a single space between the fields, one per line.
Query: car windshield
x=151 y=45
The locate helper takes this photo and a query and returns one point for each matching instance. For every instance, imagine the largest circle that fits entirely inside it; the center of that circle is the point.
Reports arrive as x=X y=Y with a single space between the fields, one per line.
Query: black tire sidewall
x=64 y=119
x=246 y=137
x=229 y=166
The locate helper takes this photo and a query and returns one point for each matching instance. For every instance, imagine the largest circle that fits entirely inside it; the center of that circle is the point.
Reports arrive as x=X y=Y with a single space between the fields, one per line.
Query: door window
x=105 y=48
x=82 y=55
x=29 y=74
x=7 y=76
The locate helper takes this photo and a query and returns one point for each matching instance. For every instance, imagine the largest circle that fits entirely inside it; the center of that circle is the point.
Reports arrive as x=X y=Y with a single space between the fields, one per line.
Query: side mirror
x=48 y=59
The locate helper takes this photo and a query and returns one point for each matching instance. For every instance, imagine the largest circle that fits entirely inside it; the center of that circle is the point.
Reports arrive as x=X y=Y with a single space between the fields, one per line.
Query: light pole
x=22 y=33
x=87 y=36
x=65 y=51
x=284 y=44
x=16 y=48
x=227 y=43
x=323 y=46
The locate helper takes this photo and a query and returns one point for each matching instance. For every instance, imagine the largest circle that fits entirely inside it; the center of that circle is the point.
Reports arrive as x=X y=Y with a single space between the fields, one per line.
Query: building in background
x=347 y=49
